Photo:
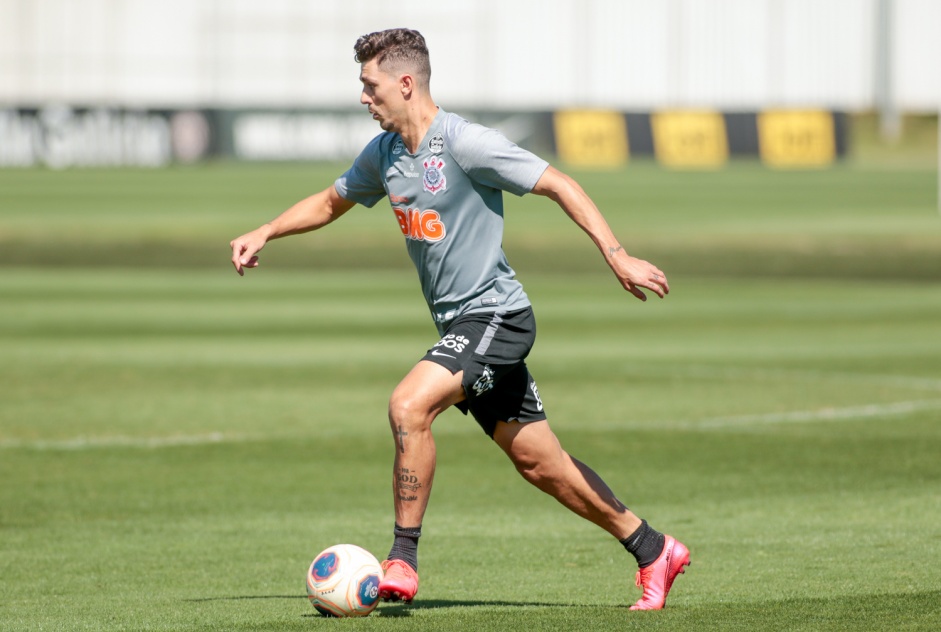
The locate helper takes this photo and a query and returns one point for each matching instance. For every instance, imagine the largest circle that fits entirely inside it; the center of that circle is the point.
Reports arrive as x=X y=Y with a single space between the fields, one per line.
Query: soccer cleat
x=399 y=581
x=657 y=578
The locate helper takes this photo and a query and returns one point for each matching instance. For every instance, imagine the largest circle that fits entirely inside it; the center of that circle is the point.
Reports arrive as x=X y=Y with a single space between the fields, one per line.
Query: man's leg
x=425 y=392
x=539 y=457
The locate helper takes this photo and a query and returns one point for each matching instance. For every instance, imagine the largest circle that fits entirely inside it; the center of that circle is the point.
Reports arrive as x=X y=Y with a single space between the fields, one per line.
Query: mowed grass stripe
x=164 y=358
x=847 y=222
x=732 y=424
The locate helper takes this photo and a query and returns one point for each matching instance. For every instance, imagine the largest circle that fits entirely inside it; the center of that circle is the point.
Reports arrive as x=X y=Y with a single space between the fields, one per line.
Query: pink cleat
x=657 y=578
x=399 y=581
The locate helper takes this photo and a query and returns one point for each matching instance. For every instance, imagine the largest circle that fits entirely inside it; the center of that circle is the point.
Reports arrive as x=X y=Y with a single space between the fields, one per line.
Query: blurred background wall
x=499 y=55
x=485 y=53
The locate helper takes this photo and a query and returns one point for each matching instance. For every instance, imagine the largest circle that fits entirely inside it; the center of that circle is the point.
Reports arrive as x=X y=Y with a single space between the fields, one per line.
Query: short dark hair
x=396 y=48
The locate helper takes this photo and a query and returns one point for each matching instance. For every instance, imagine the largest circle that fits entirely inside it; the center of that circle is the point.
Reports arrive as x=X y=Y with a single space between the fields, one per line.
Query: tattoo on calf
x=406 y=484
x=401 y=434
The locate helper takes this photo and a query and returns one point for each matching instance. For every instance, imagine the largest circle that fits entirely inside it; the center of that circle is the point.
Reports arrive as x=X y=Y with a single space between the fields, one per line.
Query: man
x=444 y=178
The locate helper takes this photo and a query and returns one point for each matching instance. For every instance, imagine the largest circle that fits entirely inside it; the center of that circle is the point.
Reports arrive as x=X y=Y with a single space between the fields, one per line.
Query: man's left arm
x=633 y=273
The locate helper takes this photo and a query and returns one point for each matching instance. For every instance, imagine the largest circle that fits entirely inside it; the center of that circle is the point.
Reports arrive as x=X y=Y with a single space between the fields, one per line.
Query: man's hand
x=635 y=274
x=309 y=214
x=245 y=250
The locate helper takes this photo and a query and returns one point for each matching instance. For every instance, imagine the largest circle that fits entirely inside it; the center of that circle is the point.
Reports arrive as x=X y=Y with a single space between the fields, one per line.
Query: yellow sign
x=690 y=138
x=796 y=138
x=591 y=138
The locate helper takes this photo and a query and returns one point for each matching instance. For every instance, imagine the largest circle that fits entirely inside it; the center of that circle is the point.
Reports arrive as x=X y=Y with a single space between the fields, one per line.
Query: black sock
x=405 y=545
x=645 y=544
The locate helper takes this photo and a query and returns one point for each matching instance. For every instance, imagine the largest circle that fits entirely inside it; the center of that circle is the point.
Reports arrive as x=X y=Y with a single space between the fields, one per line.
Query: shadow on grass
x=424 y=604
x=404 y=610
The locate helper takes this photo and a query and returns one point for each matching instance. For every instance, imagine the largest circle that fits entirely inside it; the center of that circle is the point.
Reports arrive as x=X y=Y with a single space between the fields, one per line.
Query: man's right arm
x=633 y=273
x=309 y=214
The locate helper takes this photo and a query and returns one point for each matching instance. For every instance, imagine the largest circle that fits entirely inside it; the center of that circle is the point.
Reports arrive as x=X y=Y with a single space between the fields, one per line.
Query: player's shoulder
x=382 y=143
x=468 y=141
x=456 y=128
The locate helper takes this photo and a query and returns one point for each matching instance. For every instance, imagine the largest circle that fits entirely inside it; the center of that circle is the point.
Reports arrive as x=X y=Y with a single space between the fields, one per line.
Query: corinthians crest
x=434 y=179
x=436 y=144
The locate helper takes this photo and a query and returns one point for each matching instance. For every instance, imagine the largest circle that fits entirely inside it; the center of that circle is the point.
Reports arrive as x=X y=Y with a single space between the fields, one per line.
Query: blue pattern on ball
x=369 y=590
x=325 y=566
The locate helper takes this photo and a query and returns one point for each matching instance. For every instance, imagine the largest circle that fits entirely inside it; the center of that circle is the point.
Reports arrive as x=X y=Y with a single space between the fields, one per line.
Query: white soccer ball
x=343 y=581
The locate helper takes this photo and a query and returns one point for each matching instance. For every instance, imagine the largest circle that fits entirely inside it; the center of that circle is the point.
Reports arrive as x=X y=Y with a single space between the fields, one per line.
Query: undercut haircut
x=396 y=49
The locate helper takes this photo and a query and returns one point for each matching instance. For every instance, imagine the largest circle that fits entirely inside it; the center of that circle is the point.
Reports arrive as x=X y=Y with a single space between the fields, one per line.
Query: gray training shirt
x=448 y=202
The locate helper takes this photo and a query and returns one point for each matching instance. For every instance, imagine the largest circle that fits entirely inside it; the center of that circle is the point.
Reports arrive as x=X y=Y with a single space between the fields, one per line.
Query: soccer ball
x=343 y=581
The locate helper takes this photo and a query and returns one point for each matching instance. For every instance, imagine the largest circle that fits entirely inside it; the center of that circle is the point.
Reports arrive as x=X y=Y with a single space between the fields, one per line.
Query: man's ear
x=407 y=85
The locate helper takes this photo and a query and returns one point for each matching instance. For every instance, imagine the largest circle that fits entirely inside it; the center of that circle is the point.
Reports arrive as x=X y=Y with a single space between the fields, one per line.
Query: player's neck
x=416 y=125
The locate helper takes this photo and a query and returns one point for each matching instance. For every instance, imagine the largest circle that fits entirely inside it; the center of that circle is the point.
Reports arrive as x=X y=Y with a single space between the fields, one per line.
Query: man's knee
x=408 y=411
x=424 y=393
x=534 y=451
x=546 y=475
x=530 y=469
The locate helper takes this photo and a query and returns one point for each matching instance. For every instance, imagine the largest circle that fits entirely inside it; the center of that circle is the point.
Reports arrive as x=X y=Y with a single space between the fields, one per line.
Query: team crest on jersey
x=436 y=144
x=434 y=179
x=398 y=147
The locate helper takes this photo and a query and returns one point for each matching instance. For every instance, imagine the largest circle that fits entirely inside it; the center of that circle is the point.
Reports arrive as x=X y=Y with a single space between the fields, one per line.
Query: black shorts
x=490 y=348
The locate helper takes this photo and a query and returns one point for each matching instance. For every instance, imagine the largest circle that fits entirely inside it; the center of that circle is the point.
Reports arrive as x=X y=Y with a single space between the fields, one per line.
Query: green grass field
x=177 y=443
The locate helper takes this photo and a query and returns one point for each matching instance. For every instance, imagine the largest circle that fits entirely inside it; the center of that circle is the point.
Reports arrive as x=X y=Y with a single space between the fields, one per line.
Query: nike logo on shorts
x=435 y=352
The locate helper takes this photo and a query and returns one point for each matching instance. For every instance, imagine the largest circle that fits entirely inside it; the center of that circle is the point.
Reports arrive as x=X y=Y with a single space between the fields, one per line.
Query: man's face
x=382 y=94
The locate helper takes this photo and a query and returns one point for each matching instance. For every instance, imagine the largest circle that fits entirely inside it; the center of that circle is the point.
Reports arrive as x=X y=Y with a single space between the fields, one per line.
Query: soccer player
x=444 y=178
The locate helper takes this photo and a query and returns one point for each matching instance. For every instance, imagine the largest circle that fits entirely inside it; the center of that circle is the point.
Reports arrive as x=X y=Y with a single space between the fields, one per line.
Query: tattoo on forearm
x=401 y=434
x=613 y=251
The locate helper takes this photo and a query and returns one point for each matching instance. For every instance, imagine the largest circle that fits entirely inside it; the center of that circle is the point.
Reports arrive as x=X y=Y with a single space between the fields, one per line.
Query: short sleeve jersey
x=447 y=200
